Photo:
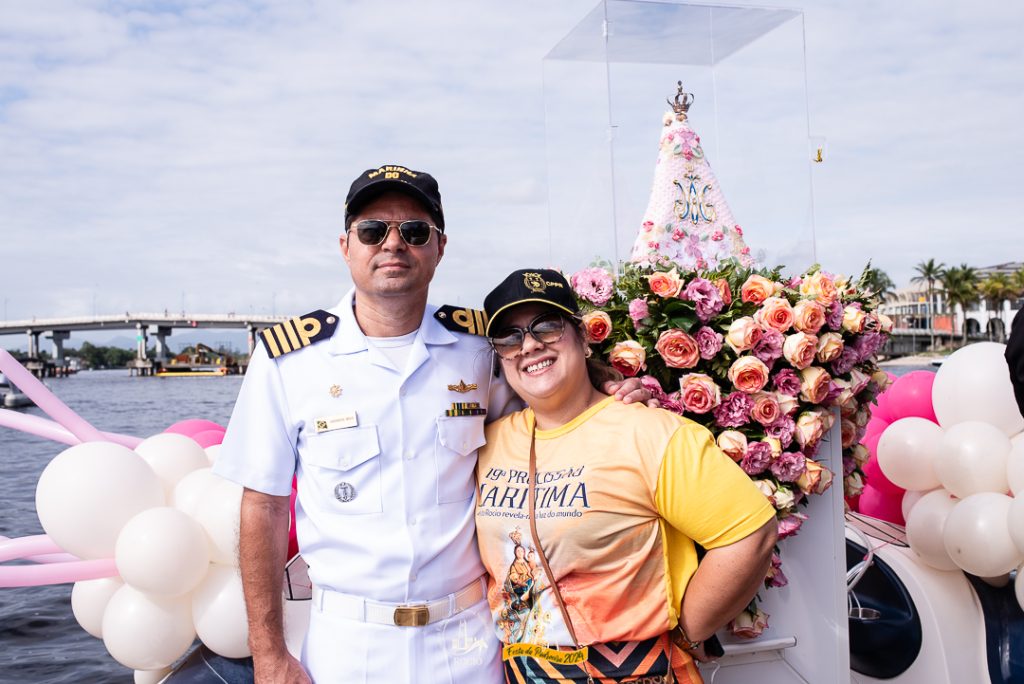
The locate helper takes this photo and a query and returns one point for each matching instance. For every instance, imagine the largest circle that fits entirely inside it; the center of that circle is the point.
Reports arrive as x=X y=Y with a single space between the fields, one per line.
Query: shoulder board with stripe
x=461 y=319
x=298 y=332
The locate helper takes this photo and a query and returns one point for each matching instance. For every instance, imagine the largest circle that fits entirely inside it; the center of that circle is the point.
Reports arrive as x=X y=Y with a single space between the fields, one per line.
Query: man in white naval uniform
x=378 y=410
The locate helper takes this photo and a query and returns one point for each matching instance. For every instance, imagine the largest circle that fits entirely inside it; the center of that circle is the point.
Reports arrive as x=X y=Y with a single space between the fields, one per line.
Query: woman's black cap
x=530 y=285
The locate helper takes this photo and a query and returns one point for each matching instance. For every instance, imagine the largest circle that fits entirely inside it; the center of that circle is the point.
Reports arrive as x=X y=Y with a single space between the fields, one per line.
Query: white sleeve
x=259 y=448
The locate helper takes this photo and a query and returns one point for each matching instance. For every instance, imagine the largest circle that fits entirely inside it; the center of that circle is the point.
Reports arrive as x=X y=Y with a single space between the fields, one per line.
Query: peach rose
x=853 y=485
x=816 y=479
x=698 y=393
x=766 y=408
x=775 y=444
x=858 y=380
x=884 y=323
x=882 y=379
x=743 y=334
x=783 y=498
x=827 y=417
x=809 y=429
x=787 y=403
x=775 y=313
x=665 y=284
x=860 y=454
x=808 y=316
x=628 y=357
x=799 y=349
x=820 y=288
x=862 y=416
x=723 y=289
x=814 y=384
x=854 y=319
x=845 y=394
x=749 y=625
x=678 y=349
x=767 y=488
x=756 y=289
x=830 y=346
x=748 y=374
x=598 y=325
x=733 y=443
x=848 y=430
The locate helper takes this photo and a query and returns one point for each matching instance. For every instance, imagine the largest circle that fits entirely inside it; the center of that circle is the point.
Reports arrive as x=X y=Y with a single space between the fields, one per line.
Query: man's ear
x=441 y=242
x=343 y=243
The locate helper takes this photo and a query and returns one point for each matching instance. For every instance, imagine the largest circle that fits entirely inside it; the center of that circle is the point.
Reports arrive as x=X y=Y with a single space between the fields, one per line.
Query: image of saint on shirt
x=522 y=617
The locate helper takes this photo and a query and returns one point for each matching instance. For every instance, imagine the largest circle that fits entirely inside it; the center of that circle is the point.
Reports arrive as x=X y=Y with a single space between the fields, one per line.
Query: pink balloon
x=208 y=437
x=21 y=378
x=48 y=429
x=193 y=426
x=293 y=540
x=878 y=504
x=911 y=396
x=870 y=443
x=875 y=426
x=874 y=477
x=55 y=569
x=854 y=503
x=881 y=410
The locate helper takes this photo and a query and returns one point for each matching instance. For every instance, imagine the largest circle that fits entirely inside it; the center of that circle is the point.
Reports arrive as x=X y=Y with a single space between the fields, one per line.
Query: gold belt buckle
x=412 y=616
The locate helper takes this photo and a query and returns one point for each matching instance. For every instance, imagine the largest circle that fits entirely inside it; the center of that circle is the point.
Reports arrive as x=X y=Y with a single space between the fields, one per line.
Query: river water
x=40 y=641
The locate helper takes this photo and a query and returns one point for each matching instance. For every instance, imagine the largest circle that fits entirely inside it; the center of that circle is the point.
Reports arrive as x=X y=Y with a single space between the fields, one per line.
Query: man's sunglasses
x=547 y=328
x=374 y=232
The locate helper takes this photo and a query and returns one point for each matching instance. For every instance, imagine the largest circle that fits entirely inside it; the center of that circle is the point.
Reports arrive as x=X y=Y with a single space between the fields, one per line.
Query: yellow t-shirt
x=623 y=491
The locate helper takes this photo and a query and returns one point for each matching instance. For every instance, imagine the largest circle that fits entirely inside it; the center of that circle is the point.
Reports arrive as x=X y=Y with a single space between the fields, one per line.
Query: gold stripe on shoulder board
x=298 y=332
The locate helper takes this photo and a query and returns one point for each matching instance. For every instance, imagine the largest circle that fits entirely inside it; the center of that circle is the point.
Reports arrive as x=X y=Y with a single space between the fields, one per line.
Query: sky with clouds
x=196 y=153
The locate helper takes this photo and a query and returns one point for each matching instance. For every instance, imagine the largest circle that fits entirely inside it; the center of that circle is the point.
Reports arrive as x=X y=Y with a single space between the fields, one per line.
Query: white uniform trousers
x=460 y=650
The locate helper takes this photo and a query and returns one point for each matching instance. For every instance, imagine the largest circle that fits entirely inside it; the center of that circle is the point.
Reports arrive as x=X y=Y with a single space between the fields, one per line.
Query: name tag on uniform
x=338 y=422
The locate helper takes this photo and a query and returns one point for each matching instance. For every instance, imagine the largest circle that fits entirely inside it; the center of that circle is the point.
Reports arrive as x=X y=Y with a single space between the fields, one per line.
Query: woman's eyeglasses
x=547 y=328
x=374 y=232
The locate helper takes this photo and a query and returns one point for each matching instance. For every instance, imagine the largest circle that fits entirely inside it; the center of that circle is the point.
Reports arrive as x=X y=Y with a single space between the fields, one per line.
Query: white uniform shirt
x=385 y=508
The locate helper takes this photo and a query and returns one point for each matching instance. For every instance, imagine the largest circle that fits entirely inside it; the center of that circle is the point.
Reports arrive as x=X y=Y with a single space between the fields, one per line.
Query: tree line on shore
x=91 y=355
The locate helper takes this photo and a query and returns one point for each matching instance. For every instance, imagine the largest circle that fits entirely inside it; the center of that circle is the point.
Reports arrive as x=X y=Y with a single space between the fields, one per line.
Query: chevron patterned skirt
x=653 y=661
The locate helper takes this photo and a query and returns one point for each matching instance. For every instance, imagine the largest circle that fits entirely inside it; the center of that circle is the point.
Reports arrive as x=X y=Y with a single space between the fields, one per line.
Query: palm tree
x=996 y=289
x=961 y=283
x=929 y=272
x=878 y=283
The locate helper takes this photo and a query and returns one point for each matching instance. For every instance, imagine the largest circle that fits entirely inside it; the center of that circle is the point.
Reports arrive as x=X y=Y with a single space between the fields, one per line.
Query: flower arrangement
x=760 y=360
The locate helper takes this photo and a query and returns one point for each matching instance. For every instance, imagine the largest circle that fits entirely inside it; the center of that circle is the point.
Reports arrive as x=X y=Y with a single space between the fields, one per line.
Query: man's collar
x=349 y=338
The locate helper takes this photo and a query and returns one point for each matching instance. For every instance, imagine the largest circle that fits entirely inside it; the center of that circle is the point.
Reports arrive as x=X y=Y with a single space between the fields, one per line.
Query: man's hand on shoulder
x=283 y=669
x=629 y=391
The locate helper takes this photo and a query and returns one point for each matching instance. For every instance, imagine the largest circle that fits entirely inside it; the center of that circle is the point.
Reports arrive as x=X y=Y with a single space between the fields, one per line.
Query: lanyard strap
x=532 y=496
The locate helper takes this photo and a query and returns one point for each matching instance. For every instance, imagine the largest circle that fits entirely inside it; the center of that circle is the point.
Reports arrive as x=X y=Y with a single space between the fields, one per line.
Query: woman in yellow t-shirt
x=593 y=569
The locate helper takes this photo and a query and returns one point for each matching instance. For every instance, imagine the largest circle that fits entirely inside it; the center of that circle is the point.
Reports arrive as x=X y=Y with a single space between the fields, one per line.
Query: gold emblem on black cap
x=534 y=282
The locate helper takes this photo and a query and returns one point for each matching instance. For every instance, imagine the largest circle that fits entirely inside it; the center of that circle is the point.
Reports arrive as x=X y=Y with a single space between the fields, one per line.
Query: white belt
x=401 y=614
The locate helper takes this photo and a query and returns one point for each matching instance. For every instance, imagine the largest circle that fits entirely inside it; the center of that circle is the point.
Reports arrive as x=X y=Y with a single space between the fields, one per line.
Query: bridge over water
x=156 y=325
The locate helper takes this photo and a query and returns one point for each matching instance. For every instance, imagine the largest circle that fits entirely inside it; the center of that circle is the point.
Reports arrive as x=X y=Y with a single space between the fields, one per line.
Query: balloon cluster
x=957 y=454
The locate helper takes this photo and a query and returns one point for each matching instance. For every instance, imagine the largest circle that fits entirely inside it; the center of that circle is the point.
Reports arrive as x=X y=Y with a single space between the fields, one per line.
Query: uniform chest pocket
x=458 y=438
x=344 y=470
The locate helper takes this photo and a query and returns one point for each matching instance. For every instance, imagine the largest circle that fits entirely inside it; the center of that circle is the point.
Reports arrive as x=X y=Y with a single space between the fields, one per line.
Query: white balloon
x=977 y=535
x=89 y=598
x=151 y=676
x=218 y=613
x=190 y=492
x=147 y=632
x=973 y=459
x=906 y=452
x=172 y=457
x=974 y=384
x=89 y=491
x=925 y=526
x=219 y=513
x=212 y=452
x=910 y=498
x=1015 y=520
x=162 y=551
x=1015 y=466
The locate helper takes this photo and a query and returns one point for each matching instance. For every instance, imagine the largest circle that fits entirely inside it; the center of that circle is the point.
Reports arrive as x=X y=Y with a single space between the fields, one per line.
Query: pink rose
x=665 y=284
x=593 y=284
x=775 y=313
x=733 y=443
x=830 y=346
x=748 y=374
x=816 y=479
x=820 y=288
x=698 y=393
x=709 y=342
x=628 y=357
x=799 y=349
x=808 y=316
x=809 y=429
x=743 y=334
x=598 y=325
x=814 y=384
x=678 y=349
x=756 y=289
x=638 y=311
x=766 y=408
x=858 y=380
x=787 y=403
x=790 y=525
x=749 y=625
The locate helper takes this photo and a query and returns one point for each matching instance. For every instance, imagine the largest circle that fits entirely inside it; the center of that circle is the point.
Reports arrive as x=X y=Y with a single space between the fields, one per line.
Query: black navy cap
x=527 y=285
x=392 y=178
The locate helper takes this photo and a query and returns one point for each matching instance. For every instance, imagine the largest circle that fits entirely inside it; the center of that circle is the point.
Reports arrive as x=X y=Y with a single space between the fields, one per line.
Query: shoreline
x=917 y=360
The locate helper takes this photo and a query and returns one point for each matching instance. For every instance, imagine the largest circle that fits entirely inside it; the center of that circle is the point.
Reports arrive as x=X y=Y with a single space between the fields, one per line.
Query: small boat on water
x=10 y=397
x=199 y=361
x=191 y=371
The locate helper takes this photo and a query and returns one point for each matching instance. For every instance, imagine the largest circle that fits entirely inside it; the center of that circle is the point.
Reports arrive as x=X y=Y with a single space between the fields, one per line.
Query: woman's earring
x=588 y=353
